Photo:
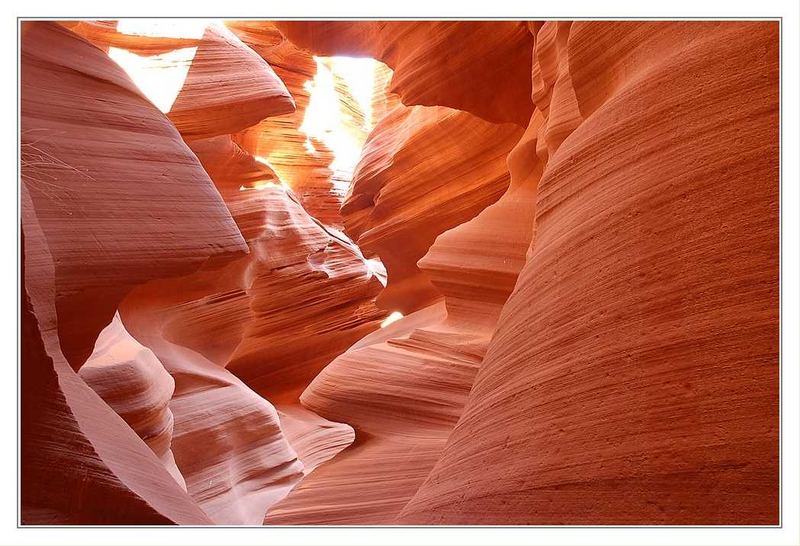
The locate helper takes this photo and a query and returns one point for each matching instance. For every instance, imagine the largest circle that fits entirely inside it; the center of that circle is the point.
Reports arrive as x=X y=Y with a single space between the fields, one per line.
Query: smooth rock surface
x=633 y=377
x=580 y=223
x=132 y=381
x=403 y=196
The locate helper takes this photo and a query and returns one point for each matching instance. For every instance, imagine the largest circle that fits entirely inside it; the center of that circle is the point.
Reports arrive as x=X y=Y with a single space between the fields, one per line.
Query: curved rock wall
x=264 y=343
x=300 y=160
x=87 y=133
x=404 y=194
x=637 y=357
x=134 y=383
x=228 y=88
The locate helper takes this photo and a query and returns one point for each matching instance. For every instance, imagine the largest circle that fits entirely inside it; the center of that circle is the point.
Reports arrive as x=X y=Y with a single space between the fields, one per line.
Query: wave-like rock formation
x=134 y=383
x=633 y=377
x=227 y=440
x=262 y=341
x=104 y=34
x=87 y=133
x=301 y=160
x=403 y=196
x=228 y=88
x=403 y=388
x=579 y=221
x=102 y=172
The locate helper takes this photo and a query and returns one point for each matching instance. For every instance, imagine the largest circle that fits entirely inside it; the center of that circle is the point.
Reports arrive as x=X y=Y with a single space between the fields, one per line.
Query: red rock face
x=79 y=153
x=104 y=34
x=134 y=383
x=578 y=219
x=403 y=196
x=228 y=88
x=637 y=357
x=262 y=342
x=404 y=387
x=280 y=139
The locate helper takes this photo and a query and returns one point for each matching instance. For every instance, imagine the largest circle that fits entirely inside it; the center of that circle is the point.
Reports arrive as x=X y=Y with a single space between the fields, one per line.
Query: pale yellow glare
x=160 y=77
x=324 y=119
x=167 y=28
x=265 y=184
x=375 y=268
x=393 y=317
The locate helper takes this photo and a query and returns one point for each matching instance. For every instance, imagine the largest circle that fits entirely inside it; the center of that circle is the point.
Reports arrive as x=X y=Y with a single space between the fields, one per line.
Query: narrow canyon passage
x=418 y=272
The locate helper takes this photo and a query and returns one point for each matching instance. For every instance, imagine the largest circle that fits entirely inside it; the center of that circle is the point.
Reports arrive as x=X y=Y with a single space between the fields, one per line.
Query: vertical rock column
x=633 y=378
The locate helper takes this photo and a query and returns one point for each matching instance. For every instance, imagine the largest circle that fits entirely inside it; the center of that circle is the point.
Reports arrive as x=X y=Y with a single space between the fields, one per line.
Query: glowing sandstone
x=403 y=387
x=262 y=341
x=634 y=374
x=105 y=172
x=404 y=195
x=228 y=88
x=305 y=150
x=481 y=67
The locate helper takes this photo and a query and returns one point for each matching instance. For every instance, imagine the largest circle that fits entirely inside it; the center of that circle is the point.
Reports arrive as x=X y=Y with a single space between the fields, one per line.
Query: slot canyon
x=399 y=272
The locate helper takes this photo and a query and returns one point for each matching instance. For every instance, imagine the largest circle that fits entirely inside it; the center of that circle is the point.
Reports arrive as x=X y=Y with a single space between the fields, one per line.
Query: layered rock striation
x=633 y=377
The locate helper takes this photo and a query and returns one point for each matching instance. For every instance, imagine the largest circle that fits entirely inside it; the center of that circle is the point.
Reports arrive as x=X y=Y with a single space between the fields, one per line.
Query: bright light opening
x=160 y=77
x=393 y=317
x=339 y=113
x=264 y=185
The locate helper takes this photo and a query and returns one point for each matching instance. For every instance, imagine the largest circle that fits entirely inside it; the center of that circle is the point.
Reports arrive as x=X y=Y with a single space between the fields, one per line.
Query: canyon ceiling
x=541 y=287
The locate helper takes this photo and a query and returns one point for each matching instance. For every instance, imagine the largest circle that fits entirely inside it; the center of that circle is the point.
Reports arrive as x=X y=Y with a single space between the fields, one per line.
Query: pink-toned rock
x=98 y=159
x=228 y=88
x=298 y=259
x=302 y=161
x=132 y=381
x=262 y=341
x=227 y=440
x=591 y=329
x=403 y=387
x=80 y=462
x=104 y=34
x=119 y=197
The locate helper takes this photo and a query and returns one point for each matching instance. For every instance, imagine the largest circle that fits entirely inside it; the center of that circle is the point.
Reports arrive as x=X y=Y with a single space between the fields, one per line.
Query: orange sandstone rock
x=97 y=160
x=633 y=377
x=424 y=170
x=300 y=160
x=403 y=388
x=262 y=341
x=228 y=88
x=104 y=34
x=119 y=196
x=227 y=440
x=592 y=303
